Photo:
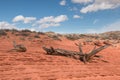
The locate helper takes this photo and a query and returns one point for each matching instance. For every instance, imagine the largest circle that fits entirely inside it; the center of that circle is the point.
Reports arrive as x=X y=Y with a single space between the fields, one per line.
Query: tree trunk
x=73 y=54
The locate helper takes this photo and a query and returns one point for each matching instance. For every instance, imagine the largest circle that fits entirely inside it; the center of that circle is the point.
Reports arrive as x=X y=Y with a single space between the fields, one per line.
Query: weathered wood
x=85 y=57
x=80 y=48
x=62 y=52
x=95 y=51
x=18 y=48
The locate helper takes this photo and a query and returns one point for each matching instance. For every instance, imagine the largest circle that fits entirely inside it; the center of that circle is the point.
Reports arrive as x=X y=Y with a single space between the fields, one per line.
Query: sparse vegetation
x=25 y=34
x=72 y=36
x=3 y=33
x=113 y=35
x=8 y=37
x=13 y=31
x=36 y=36
x=53 y=35
x=30 y=39
x=80 y=36
x=41 y=33
x=26 y=30
x=22 y=38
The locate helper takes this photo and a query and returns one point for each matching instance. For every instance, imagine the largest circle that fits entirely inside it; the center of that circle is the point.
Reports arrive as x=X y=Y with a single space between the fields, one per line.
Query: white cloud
x=76 y=16
x=82 y=1
x=100 y=5
x=57 y=19
x=29 y=19
x=73 y=9
x=112 y=27
x=18 y=18
x=24 y=19
x=46 y=25
x=6 y=25
x=63 y=3
x=51 y=21
x=60 y=18
x=95 y=21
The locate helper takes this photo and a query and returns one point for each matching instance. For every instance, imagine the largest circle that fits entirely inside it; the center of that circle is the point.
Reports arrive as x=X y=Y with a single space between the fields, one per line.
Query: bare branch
x=80 y=48
x=97 y=50
x=93 y=49
x=73 y=54
x=62 y=52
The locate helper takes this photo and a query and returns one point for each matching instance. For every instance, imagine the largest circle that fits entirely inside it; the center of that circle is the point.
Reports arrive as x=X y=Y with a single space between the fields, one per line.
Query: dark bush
x=55 y=37
x=7 y=30
x=13 y=31
x=3 y=33
x=26 y=30
x=41 y=33
x=22 y=38
x=24 y=34
x=72 y=36
x=111 y=35
x=36 y=36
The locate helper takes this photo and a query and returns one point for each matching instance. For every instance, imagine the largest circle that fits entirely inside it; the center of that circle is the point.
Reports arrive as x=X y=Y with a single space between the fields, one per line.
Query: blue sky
x=62 y=16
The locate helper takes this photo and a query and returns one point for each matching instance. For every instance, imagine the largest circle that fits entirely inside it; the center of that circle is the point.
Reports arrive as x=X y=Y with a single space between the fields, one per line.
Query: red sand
x=36 y=65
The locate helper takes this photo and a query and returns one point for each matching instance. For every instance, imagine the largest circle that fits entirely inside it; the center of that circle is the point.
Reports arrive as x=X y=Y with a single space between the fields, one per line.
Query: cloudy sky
x=62 y=16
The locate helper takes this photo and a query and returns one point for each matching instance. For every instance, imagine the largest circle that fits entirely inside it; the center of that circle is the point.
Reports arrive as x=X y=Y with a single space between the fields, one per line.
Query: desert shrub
x=3 y=33
x=22 y=34
x=115 y=36
x=30 y=39
x=82 y=35
x=60 y=35
x=72 y=36
x=22 y=38
x=8 y=36
x=7 y=30
x=54 y=36
x=50 y=32
x=13 y=31
x=26 y=30
x=36 y=36
x=111 y=35
x=25 y=34
x=34 y=32
x=104 y=36
x=88 y=40
x=41 y=33
x=17 y=34
x=96 y=37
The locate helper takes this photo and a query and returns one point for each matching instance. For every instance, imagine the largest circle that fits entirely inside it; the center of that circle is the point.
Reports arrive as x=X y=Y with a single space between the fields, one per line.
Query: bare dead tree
x=85 y=57
x=18 y=47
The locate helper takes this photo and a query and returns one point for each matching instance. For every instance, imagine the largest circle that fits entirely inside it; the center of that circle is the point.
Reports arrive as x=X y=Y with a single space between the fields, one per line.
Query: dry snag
x=18 y=47
x=85 y=57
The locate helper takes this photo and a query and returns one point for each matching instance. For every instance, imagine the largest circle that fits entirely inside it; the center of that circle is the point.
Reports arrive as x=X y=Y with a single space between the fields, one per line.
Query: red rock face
x=36 y=65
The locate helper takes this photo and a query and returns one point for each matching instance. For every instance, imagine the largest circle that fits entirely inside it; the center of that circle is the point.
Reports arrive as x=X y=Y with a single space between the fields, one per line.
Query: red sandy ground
x=36 y=65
